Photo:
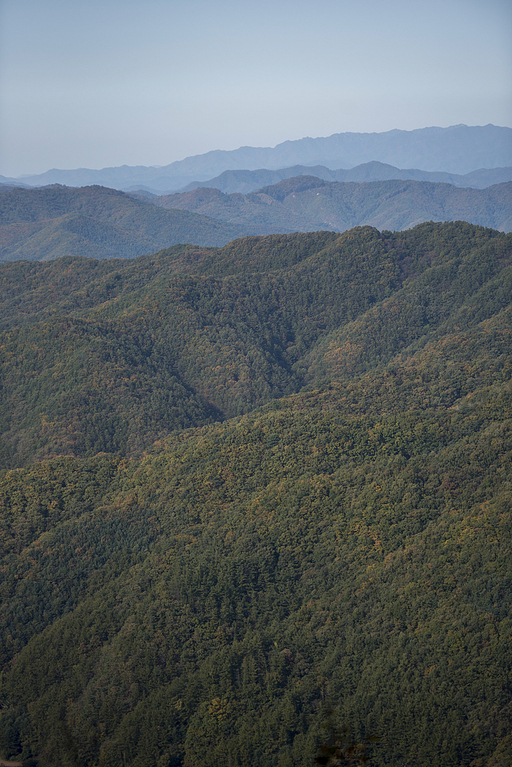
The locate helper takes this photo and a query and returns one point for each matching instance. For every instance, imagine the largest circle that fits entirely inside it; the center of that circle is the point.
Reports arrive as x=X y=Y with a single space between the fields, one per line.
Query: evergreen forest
x=256 y=503
x=96 y=222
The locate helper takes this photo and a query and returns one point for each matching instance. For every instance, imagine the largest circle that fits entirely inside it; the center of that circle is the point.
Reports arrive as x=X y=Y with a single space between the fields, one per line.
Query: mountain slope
x=42 y=224
x=216 y=596
x=307 y=203
x=37 y=224
x=135 y=350
x=343 y=543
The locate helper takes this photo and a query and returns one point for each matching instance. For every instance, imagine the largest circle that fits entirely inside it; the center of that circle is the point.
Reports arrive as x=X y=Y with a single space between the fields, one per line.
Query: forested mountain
x=244 y=181
x=307 y=203
x=458 y=149
x=252 y=484
x=244 y=322
x=38 y=224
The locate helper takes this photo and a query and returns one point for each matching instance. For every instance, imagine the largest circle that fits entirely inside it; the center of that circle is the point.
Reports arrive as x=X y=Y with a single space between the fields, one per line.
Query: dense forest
x=54 y=221
x=306 y=203
x=97 y=222
x=255 y=491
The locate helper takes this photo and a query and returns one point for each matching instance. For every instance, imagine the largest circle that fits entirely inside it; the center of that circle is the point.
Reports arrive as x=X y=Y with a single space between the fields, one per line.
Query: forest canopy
x=247 y=486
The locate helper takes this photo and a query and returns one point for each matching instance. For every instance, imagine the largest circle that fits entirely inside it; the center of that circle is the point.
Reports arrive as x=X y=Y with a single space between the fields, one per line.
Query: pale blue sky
x=112 y=82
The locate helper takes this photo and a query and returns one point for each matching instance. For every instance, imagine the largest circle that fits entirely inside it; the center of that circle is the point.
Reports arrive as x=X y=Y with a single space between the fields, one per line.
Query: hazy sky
x=110 y=82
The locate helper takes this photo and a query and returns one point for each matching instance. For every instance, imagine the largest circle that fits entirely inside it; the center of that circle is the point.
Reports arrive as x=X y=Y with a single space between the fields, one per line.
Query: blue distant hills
x=454 y=151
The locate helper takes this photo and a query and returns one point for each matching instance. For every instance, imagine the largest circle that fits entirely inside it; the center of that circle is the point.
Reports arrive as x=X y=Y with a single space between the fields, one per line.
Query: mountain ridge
x=245 y=181
x=95 y=221
x=458 y=149
x=124 y=311
x=307 y=203
x=47 y=222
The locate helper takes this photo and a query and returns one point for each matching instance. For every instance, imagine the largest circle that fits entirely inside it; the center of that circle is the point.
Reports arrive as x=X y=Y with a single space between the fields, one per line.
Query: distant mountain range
x=245 y=181
x=43 y=224
x=457 y=150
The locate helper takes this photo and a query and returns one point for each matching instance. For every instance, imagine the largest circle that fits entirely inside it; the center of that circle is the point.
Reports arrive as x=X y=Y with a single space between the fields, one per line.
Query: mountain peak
x=457 y=149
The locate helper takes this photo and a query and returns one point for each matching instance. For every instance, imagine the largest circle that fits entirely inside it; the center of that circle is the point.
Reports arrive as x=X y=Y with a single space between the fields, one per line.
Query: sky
x=105 y=83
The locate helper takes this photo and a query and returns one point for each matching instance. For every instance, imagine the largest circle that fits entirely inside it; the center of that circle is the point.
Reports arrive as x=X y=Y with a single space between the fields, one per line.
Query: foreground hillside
x=339 y=539
x=109 y=356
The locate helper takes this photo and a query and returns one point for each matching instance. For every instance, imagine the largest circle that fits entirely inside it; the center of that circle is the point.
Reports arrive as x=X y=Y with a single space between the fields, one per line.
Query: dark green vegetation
x=307 y=203
x=332 y=528
x=39 y=224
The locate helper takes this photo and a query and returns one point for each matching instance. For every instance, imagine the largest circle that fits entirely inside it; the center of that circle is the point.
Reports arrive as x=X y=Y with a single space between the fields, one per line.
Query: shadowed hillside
x=111 y=357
